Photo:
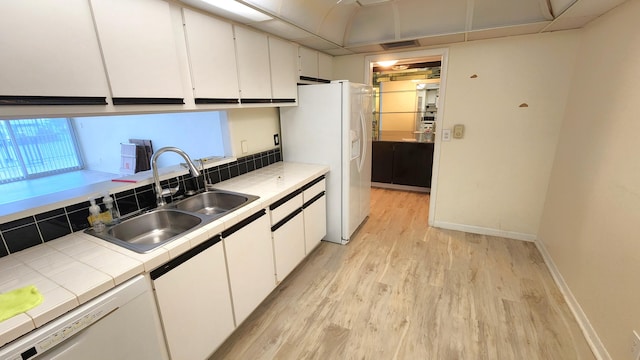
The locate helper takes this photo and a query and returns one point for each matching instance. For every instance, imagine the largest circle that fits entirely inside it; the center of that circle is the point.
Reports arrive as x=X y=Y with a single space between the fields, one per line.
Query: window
x=37 y=147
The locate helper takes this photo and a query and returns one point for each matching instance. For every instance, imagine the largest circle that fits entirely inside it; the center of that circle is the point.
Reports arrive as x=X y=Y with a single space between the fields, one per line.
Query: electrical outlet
x=635 y=346
x=276 y=139
x=244 y=146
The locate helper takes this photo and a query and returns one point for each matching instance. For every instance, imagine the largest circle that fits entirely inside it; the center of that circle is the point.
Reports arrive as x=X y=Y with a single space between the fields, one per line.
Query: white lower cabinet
x=315 y=213
x=288 y=243
x=250 y=263
x=315 y=222
x=192 y=292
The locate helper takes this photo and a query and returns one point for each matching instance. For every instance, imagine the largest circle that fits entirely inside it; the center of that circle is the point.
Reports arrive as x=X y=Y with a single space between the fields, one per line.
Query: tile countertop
x=71 y=270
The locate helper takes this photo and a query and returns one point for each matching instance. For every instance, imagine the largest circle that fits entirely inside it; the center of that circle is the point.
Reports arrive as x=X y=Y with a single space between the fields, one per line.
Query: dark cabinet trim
x=174 y=263
x=312 y=183
x=52 y=100
x=255 y=101
x=318 y=80
x=147 y=101
x=284 y=199
x=216 y=101
x=286 y=219
x=283 y=100
x=243 y=223
x=313 y=199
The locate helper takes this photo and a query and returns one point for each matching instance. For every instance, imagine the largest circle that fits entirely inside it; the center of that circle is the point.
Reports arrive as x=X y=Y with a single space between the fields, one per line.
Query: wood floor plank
x=403 y=290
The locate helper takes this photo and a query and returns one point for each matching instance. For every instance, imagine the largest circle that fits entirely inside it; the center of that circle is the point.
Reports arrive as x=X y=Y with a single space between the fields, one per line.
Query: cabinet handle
x=147 y=101
x=216 y=101
x=255 y=101
x=243 y=223
x=182 y=258
x=312 y=183
x=284 y=199
x=52 y=100
x=286 y=219
x=313 y=199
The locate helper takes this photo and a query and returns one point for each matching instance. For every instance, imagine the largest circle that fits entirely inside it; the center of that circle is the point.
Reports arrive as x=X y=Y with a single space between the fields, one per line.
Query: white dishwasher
x=121 y=324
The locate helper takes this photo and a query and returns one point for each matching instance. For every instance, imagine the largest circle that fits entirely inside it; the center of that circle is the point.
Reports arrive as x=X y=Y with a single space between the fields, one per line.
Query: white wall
x=256 y=126
x=199 y=134
x=591 y=217
x=495 y=178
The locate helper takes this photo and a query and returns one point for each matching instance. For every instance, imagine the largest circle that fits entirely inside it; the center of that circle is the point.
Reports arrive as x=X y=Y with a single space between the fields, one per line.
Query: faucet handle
x=170 y=191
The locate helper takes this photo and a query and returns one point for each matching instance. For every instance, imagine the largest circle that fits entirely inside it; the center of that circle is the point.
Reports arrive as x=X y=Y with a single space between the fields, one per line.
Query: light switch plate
x=458 y=131
x=446 y=134
x=243 y=145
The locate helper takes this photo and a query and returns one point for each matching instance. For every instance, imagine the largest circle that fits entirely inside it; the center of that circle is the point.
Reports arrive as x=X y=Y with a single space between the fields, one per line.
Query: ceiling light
x=239 y=9
x=387 y=63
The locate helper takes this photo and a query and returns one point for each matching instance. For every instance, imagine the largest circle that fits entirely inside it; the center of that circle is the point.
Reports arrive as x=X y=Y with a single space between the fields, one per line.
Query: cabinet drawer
x=313 y=188
x=285 y=206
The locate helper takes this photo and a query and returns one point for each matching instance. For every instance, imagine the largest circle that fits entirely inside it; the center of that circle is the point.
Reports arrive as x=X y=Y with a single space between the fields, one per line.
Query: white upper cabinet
x=308 y=63
x=325 y=66
x=212 y=57
x=252 y=49
x=284 y=74
x=49 y=48
x=139 y=49
x=315 y=66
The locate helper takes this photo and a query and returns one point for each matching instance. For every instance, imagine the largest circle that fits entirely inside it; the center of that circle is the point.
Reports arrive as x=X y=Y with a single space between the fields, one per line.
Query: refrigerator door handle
x=363 y=142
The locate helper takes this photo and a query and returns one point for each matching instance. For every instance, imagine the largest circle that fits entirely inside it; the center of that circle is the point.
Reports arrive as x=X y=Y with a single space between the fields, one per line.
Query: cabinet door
x=288 y=244
x=308 y=63
x=382 y=162
x=250 y=262
x=315 y=221
x=325 y=66
x=49 y=48
x=195 y=304
x=212 y=56
x=412 y=164
x=284 y=70
x=253 y=65
x=139 y=48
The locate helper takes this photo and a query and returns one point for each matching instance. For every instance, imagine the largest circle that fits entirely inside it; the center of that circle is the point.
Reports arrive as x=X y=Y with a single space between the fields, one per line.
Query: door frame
x=420 y=55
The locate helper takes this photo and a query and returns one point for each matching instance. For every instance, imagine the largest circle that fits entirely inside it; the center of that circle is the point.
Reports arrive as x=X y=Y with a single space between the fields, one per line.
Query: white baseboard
x=485 y=231
x=589 y=332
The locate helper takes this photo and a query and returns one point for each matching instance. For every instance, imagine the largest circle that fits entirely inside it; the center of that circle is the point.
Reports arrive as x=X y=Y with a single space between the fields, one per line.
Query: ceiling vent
x=400 y=44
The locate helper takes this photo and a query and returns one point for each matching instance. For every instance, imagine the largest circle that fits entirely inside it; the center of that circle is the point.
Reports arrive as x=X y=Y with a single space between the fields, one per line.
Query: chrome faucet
x=160 y=192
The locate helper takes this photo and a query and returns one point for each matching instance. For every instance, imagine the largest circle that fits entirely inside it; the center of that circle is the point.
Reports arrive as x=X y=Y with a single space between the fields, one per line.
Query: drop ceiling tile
x=338 y=52
x=592 y=7
x=511 y=12
x=366 y=48
x=507 y=31
x=282 y=29
x=442 y=39
x=559 y=6
x=317 y=43
x=570 y=22
x=374 y=24
x=418 y=18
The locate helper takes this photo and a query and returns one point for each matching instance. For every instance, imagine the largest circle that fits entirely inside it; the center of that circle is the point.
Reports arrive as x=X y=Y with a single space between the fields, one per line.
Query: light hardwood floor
x=402 y=290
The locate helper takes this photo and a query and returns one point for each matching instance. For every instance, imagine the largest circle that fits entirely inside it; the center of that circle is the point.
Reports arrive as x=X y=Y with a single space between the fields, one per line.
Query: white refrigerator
x=332 y=125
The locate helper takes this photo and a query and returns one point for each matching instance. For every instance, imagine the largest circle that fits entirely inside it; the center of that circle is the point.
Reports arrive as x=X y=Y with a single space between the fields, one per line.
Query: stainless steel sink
x=150 y=230
x=215 y=202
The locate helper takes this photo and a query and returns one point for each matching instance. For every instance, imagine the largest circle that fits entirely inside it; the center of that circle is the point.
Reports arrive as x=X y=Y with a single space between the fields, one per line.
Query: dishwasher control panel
x=59 y=335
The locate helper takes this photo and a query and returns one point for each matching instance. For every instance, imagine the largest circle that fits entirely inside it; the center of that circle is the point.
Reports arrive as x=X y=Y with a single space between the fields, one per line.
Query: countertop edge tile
x=15 y=327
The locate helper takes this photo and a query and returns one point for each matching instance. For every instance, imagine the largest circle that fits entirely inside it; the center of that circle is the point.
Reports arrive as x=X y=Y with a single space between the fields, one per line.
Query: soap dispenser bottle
x=95 y=219
x=113 y=212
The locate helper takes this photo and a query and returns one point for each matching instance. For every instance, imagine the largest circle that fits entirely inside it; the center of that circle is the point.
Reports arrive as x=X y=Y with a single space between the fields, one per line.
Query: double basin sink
x=150 y=230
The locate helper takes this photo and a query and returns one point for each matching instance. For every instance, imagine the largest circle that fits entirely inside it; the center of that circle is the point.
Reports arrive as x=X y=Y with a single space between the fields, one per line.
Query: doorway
x=406 y=148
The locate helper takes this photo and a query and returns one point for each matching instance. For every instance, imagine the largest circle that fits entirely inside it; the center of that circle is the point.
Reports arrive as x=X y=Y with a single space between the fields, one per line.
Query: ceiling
x=342 y=27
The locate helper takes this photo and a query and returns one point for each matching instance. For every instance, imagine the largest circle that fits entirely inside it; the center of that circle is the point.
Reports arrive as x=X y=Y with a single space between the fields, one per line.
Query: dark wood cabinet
x=402 y=163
